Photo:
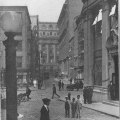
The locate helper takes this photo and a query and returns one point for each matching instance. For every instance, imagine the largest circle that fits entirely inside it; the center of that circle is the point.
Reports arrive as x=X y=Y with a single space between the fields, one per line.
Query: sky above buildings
x=48 y=10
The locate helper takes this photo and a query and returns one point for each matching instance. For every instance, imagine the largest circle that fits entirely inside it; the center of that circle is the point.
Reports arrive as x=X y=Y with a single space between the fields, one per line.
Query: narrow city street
x=31 y=109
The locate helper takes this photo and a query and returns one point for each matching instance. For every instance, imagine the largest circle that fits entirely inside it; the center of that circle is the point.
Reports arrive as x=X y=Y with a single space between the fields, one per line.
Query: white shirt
x=46 y=107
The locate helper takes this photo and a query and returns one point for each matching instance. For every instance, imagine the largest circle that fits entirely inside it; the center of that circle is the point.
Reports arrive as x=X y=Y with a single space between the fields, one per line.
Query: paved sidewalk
x=100 y=107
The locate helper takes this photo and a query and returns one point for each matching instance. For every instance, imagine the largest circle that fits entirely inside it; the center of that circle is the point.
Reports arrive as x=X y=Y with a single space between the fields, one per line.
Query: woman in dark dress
x=45 y=110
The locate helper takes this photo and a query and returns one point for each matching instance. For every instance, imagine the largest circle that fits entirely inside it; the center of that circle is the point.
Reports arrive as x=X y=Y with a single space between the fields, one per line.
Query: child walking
x=78 y=106
x=73 y=107
x=67 y=108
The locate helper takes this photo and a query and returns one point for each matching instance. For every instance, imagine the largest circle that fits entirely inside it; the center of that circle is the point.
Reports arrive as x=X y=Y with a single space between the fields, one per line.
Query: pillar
x=86 y=65
x=47 y=53
x=88 y=49
x=11 y=82
x=105 y=35
x=54 y=52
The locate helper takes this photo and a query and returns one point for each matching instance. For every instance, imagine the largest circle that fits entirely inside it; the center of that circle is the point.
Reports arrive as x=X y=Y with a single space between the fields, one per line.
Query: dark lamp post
x=10 y=23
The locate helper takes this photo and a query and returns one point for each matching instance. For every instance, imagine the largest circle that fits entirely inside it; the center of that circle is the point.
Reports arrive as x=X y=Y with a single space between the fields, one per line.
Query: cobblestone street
x=31 y=109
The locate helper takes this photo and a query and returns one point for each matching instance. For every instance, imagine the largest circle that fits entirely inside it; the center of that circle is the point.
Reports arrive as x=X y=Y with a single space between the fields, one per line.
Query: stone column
x=105 y=35
x=54 y=51
x=11 y=82
x=47 y=53
x=88 y=49
x=86 y=63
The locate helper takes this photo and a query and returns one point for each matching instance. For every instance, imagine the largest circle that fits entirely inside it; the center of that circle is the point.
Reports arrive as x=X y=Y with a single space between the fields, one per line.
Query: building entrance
x=115 y=77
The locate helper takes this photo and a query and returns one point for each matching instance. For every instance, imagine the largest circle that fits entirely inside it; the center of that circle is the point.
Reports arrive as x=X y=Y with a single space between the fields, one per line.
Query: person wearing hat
x=45 y=110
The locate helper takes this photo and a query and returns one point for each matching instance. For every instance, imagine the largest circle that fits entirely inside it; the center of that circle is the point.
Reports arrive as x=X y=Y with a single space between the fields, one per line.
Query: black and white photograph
x=59 y=59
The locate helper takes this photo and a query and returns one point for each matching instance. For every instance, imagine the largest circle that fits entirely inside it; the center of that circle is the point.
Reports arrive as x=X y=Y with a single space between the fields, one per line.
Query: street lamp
x=10 y=23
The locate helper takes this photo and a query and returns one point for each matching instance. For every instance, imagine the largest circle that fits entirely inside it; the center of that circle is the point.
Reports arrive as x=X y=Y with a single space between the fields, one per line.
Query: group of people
x=60 y=85
x=75 y=106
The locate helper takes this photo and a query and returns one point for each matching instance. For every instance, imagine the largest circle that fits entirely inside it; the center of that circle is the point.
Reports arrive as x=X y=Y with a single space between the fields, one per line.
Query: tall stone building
x=23 y=48
x=70 y=10
x=48 y=48
x=99 y=20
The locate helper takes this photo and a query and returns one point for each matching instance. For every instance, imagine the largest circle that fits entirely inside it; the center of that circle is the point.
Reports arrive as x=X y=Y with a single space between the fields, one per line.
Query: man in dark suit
x=45 y=110
x=54 y=91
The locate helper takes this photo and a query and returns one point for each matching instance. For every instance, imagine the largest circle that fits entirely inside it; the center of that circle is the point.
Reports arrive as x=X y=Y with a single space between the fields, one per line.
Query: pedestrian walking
x=78 y=106
x=73 y=108
x=44 y=113
x=59 y=85
x=54 y=91
x=62 y=85
x=67 y=108
x=28 y=92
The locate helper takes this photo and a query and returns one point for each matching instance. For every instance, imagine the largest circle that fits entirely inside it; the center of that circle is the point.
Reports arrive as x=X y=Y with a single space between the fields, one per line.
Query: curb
x=95 y=110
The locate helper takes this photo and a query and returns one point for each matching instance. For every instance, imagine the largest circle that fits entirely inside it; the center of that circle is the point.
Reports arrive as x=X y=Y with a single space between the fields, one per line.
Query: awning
x=112 y=12
x=98 y=17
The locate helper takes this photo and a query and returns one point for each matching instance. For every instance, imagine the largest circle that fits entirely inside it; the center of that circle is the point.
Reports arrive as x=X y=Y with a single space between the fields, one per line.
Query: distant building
x=70 y=10
x=48 y=47
x=23 y=48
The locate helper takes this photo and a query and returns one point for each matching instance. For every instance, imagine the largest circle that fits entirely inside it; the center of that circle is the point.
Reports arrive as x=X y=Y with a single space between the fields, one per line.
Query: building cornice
x=62 y=13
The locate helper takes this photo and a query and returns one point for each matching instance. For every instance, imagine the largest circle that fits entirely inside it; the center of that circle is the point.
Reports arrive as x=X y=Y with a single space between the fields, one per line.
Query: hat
x=46 y=100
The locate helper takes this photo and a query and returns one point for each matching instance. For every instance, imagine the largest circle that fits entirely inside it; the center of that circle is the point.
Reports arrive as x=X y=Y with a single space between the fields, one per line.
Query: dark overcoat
x=44 y=113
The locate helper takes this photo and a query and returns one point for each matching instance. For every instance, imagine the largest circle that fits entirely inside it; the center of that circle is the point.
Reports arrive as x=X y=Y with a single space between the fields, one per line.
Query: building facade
x=23 y=48
x=100 y=24
x=48 y=48
x=69 y=11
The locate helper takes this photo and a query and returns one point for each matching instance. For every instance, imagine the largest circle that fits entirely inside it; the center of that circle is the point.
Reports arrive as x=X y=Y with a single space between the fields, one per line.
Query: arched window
x=50 y=33
x=51 y=26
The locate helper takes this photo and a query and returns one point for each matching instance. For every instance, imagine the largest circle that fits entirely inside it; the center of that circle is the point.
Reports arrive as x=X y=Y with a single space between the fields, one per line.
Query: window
x=50 y=26
x=55 y=34
x=19 y=45
x=19 y=61
x=43 y=33
x=50 y=33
